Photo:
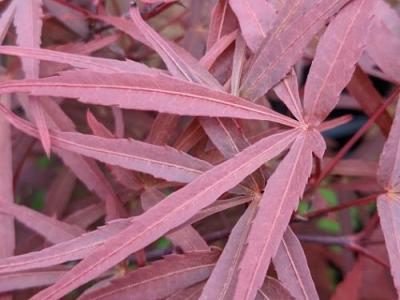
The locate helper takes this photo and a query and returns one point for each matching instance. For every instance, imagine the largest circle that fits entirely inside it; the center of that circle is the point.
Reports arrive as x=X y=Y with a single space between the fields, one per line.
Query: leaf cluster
x=199 y=149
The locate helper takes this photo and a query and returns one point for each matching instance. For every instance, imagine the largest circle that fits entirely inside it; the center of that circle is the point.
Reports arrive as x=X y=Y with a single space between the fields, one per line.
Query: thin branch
x=324 y=211
x=346 y=148
x=347 y=241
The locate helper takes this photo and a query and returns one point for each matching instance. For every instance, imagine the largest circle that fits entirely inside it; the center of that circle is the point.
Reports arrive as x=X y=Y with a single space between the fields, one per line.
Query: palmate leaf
x=283 y=49
x=162 y=162
x=160 y=279
x=223 y=133
x=144 y=92
x=277 y=42
x=280 y=199
x=173 y=211
x=337 y=54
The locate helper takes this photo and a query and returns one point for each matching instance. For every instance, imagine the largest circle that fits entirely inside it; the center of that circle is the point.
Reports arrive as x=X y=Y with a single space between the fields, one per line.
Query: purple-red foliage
x=199 y=149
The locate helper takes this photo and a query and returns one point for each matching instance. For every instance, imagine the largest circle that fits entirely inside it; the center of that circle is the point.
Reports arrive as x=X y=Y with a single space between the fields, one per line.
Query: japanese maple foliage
x=199 y=149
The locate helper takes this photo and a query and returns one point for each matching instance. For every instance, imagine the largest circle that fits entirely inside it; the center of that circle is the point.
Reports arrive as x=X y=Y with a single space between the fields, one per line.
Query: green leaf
x=329 y=226
x=163 y=243
x=43 y=162
x=304 y=207
x=329 y=196
x=37 y=202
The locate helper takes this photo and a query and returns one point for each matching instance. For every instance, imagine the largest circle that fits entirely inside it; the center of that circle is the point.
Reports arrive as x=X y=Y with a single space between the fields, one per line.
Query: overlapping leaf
x=7 y=232
x=282 y=50
x=273 y=289
x=384 y=57
x=337 y=54
x=143 y=92
x=291 y=266
x=277 y=42
x=83 y=245
x=171 y=212
x=70 y=250
x=160 y=279
x=256 y=18
x=28 y=23
x=222 y=22
x=288 y=92
x=223 y=133
x=162 y=162
x=122 y=175
x=179 y=62
x=186 y=238
x=26 y=280
x=389 y=163
x=6 y=19
x=95 y=64
x=389 y=203
x=222 y=281
x=389 y=213
x=280 y=199
x=53 y=230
